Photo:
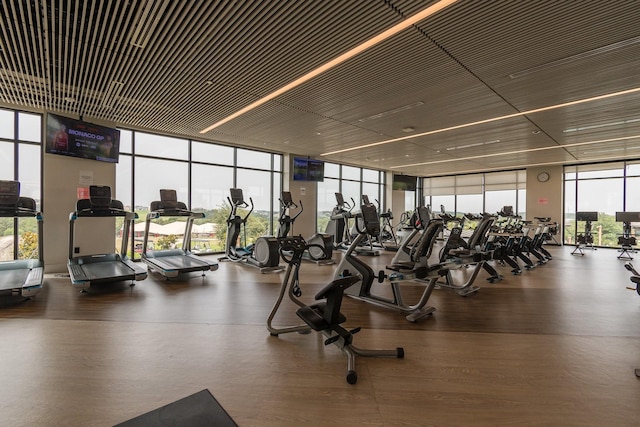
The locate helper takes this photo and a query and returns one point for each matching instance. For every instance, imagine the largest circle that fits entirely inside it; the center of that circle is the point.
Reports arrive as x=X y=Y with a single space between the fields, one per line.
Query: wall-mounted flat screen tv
x=75 y=138
x=308 y=169
x=405 y=182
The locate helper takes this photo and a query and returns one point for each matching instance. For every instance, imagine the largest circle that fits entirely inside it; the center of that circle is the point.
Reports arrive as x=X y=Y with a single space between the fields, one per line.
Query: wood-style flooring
x=557 y=345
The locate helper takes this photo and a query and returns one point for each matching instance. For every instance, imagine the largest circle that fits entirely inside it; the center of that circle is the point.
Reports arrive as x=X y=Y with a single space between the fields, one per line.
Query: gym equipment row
x=626 y=240
x=115 y=267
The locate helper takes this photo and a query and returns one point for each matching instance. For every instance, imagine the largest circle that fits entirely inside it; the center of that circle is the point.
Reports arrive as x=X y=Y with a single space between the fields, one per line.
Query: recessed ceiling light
x=602 y=125
x=477 y=144
x=69 y=99
x=392 y=111
x=408 y=129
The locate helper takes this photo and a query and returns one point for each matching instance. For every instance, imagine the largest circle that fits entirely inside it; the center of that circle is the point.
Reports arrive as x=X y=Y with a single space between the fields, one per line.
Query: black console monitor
x=365 y=200
x=100 y=196
x=507 y=210
x=9 y=193
x=627 y=216
x=587 y=216
x=169 y=198
x=286 y=198
x=339 y=199
x=236 y=196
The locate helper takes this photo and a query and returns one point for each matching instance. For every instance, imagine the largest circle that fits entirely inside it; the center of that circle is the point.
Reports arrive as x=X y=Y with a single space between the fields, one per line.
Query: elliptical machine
x=320 y=246
x=263 y=254
x=338 y=225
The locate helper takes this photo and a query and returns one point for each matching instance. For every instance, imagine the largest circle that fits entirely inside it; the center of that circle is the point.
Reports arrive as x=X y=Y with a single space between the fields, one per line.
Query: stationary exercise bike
x=324 y=316
x=361 y=289
x=320 y=248
x=263 y=254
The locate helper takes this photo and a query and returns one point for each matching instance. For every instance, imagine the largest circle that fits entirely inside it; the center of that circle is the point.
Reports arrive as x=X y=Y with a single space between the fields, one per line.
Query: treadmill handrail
x=174 y=212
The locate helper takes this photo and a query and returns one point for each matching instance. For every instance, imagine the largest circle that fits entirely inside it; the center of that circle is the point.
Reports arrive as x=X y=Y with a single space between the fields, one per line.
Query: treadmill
x=102 y=268
x=173 y=262
x=20 y=276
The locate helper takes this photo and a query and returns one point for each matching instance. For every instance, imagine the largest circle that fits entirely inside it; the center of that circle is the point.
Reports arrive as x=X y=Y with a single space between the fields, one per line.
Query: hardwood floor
x=557 y=345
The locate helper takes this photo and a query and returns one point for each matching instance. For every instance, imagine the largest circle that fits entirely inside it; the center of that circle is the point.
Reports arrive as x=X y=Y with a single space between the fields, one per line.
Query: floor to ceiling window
x=20 y=157
x=353 y=183
x=477 y=193
x=604 y=188
x=202 y=175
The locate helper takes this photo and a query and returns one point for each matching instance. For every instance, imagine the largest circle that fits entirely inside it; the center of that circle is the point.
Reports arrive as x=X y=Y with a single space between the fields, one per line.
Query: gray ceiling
x=177 y=67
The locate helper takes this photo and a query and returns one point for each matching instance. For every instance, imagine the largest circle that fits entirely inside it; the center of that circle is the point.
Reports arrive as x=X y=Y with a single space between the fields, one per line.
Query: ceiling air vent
x=146 y=20
x=113 y=91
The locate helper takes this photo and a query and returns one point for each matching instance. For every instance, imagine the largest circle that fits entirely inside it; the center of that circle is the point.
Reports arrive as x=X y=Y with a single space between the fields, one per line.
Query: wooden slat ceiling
x=177 y=67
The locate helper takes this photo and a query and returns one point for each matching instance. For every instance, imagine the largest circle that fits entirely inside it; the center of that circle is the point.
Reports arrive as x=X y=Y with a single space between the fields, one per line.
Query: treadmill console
x=100 y=196
x=9 y=193
x=365 y=200
x=169 y=199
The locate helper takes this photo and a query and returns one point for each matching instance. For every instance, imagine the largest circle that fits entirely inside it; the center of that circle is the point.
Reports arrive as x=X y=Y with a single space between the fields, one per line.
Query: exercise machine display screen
x=9 y=192
x=236 y=196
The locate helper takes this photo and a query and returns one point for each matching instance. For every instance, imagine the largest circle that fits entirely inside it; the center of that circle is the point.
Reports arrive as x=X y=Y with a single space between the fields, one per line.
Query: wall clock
x=543 y=176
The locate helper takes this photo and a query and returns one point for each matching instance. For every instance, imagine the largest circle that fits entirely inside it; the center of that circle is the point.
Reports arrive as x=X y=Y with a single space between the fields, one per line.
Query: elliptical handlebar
x=235 y=206
x=293 y=218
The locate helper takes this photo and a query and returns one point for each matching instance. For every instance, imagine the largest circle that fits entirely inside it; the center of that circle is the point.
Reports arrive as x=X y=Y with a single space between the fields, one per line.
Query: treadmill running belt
x=177 y=262
x=13 y=279
x=106 y=270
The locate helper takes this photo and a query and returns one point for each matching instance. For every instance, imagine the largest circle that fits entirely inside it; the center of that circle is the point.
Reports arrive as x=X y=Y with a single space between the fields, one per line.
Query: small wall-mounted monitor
x=75 y=138
x=627 y=216
x=305 y=169
x=405 y=182
x=587 y=216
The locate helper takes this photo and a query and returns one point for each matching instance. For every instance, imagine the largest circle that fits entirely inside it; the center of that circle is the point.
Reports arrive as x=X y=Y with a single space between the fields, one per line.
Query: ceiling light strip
x=494 y=119
x=530 y=150
x=393 y=111
x=340 y=59
x=589 y=127
x=578 y=57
